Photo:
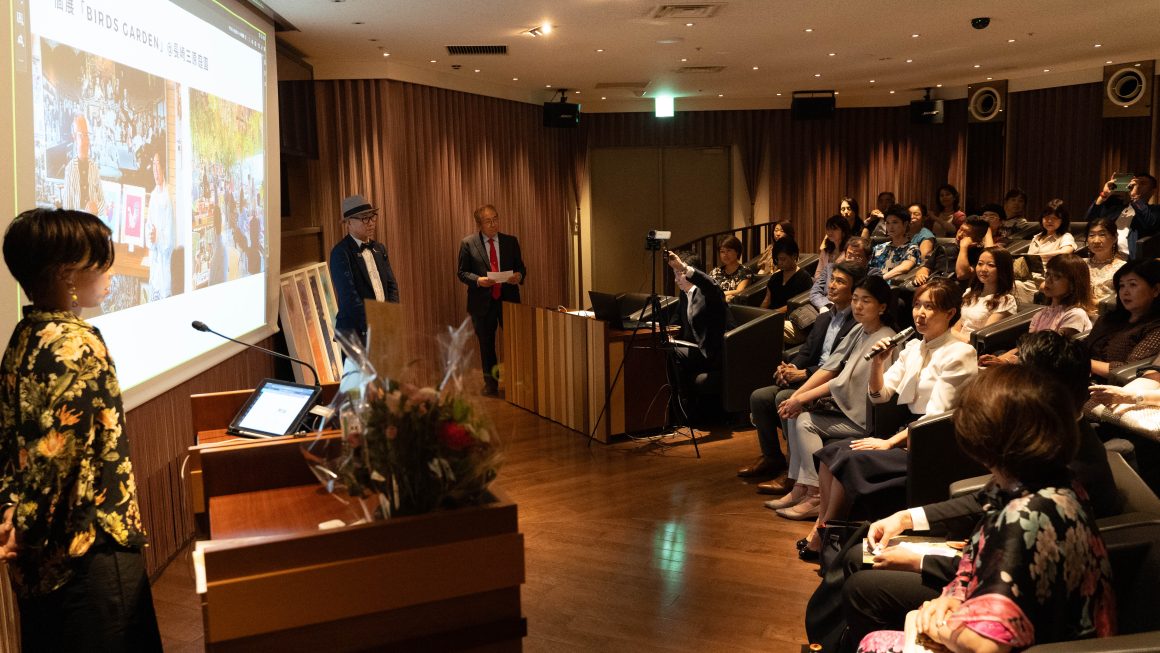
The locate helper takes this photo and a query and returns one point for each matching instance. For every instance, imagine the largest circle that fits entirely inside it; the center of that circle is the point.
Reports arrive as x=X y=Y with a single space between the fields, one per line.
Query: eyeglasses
x=368 y=219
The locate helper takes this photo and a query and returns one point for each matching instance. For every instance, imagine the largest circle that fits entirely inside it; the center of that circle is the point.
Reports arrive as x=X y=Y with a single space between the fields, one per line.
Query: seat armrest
x=1127 y=372
x=969 y=485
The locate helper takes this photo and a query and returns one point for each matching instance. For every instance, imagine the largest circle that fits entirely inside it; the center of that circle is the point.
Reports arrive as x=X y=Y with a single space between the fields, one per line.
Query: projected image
x=229 y=219
x=100 y=139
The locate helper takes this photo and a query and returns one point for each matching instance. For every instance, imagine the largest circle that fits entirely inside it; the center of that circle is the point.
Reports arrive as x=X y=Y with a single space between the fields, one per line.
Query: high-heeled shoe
x=802 y=543
x=811 y=554
x=795 y=496
x=807 y=508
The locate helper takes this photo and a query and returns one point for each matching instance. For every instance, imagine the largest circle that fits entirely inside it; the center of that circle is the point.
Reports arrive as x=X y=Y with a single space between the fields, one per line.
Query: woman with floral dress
x=1035 y=570
x=71 y=526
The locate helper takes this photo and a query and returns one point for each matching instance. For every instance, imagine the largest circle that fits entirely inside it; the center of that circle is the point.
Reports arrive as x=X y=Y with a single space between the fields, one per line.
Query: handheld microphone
x=898 y=339
x=201 y=326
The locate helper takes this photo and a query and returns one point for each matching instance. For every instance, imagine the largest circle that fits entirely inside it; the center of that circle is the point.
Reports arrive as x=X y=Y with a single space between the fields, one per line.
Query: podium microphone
x=201 y=326
x=898 y=339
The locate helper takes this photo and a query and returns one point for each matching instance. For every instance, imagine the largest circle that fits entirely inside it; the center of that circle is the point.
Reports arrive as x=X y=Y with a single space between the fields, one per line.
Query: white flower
x=441 y=469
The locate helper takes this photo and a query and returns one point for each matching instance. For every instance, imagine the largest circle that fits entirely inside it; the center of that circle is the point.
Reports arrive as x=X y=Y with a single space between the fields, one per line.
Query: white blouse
x=1045 y=243
x=975 y=313
x=928 y=376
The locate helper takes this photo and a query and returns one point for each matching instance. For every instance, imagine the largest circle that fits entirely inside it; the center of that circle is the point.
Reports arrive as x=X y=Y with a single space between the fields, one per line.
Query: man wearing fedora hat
x=359 y=267
x=487 y=250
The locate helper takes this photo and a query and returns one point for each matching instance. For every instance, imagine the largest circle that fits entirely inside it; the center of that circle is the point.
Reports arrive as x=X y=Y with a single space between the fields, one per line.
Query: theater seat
x=1004 y=334
x=935 y=460
x=809 y=263
x=754 y=293
x=752 y=351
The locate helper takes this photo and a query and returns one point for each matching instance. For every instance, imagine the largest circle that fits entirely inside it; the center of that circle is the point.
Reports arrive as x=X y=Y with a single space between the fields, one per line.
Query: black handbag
x=825 y=618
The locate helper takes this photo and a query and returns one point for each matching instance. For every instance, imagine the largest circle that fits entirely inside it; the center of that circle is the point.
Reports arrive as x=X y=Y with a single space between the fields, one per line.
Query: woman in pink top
x=1067 y=286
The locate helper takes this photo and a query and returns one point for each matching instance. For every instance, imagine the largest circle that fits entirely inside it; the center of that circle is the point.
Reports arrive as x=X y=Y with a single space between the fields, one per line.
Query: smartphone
x=1121 y=181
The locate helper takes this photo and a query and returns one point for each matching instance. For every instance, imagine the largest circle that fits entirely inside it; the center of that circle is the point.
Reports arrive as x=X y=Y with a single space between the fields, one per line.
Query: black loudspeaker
x=812 y=105
x=987 y=101
x=561 y=114
x=927 y=112
x=1128 y=89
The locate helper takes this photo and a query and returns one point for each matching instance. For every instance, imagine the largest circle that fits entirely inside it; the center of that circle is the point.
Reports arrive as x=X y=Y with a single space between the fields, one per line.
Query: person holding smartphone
x=1135 y=217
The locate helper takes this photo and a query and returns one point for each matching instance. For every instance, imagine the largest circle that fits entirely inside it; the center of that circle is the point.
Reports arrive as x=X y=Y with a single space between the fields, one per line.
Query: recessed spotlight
x=720 y=95
x=938 y=85
x=914 y=36
x=779 y=95
x=755 y=67
x=910 y=61
x=872 y=81
x=836 y=92
x=978 y=66
x=1046 y=70
x=600 y=49
x=1098 y=45
x=547 y=86
x=434 y=61
x=576 y=92
x=476 y=70
x=386 y=54
x=1108 y=61
x=546 y=28
x=515 y=79
x=833 y=54
x=603 y=97
x=990 y=78
x=892 y=92
x=817 y=74
x=809 y=29
x=688 y=24
x=1137 y=65
x=1010 y=40
x=684 y=60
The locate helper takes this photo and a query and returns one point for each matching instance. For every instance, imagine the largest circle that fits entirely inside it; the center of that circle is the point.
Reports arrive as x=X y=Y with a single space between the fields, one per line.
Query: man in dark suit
x=1135 y=218
x=487 y=250
x=359 y=267
x=828 y=331
x=704 y=319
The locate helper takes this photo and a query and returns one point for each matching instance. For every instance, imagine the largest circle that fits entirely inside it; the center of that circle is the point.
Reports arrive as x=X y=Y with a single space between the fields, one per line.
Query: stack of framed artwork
x=307 y=311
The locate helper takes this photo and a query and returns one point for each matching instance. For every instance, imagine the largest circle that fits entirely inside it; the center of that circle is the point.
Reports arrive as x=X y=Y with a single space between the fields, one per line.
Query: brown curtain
x=428 y=158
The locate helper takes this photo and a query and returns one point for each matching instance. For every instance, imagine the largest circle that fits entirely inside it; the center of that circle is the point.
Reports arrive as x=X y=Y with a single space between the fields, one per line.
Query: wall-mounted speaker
x=987 y=101
x=812 y=105
x=927 y=112
x=561 y=114
x=1128 y=89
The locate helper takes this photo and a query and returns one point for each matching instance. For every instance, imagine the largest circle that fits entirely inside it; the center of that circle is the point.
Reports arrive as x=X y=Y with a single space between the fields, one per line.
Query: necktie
x=494 y=266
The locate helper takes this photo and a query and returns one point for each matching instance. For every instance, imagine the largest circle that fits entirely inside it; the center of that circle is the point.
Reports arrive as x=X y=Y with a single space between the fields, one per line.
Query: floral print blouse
x=64 y=458
x=729 y=282
x=887 y=255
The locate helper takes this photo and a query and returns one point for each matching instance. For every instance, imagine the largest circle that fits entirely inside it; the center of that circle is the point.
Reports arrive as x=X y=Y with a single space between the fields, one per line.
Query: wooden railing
x=754 y=239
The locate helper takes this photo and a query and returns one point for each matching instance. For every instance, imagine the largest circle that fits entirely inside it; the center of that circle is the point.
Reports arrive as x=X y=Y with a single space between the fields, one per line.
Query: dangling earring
x=72 y=293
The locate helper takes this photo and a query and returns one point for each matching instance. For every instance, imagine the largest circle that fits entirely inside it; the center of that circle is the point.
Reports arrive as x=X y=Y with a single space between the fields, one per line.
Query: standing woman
x=949 y=210
x=731 y=275
x=73 y=528
x=848 y=208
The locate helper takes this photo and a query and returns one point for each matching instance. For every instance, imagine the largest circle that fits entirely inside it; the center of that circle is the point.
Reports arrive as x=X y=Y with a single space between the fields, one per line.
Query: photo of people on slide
x=102 y=145
x=229 y=216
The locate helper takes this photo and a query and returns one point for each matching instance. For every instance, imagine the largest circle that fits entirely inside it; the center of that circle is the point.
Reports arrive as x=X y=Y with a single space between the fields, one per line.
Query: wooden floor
x=630 y=547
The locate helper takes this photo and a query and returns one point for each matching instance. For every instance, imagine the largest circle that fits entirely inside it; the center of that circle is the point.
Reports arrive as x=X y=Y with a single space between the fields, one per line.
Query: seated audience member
x=781 y=229
x=1035 y=570
x=1068 y=293
x=989 y=297
x=848 y=209
x=1135 y=218
x=828 y=331
x=920 y=235
x=731 y=275
x=1015 y=206
x=994 y=216
x=857 y=252
x=897 y=256
x=1055 y=238
x=972 y=239
x=949 y=213
x=901 y=580
x=1131 y=331
x=926 y=378
x=832 y=404
x=1103 y=258
x=1114 y=394
x=789 y=280
x=704 y=318
x=874 y=226
x=830 y=251
x=935 y=224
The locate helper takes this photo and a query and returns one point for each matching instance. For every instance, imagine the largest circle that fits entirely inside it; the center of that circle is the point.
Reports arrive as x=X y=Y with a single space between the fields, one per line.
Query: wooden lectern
x=270 y=580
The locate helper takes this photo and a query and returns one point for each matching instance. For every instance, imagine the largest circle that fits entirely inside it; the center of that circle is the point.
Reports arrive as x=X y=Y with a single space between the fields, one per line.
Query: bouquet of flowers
x=406 y=449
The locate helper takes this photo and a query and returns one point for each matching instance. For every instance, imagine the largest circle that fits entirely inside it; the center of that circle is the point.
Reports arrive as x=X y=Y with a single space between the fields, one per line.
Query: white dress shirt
x=928 y=376
x=368 y=258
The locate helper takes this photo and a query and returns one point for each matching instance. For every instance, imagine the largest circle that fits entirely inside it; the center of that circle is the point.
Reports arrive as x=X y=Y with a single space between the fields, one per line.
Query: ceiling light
x=600 y=49
x=684 y=60
x=871 y=81
x=575 y=92
x=1046 y=70
x=779 y=95
x=1010 y=40
x=688 y=24
x=547 y=86
x=1108 y=62
x=910 y=61
x=720 y=95
x=892 y=92
x=546 y=28
x=938 y=85
x=476 y=70
x=664 y=106
x=978 y=66
x=1137 y=65
x=836 y=92
x=914 y=36
x=990 y=78
x=433 y=61
x=515 y=79
x=817 y=74
x=809 y=29
x=755 y=67
x=833 y=54
x=1098 y=45
x=603 y=97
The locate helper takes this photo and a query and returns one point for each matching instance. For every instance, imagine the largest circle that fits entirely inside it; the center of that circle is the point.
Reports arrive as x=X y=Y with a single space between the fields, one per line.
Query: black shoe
x=809 y=555
x=802 y=543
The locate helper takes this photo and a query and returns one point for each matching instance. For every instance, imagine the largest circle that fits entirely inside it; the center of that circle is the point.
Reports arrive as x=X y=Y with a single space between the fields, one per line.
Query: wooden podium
x=270 y=580
x=561 y=366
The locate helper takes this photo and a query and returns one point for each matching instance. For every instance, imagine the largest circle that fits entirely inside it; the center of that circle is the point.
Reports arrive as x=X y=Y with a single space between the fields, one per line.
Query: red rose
x=454 y=436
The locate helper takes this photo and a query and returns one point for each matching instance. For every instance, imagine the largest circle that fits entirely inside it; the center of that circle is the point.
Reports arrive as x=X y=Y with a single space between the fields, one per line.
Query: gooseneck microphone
x=898 y=339
x=201 y=326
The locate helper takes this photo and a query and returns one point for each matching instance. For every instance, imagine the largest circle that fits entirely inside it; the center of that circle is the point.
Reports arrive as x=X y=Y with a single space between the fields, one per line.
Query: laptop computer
x=276 y=408
x=606 y=307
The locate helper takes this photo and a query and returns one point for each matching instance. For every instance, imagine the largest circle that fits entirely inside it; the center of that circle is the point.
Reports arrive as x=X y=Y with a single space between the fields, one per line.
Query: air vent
x=629 y=85
x=699 y=70
x=687 y=12
x=455 y=50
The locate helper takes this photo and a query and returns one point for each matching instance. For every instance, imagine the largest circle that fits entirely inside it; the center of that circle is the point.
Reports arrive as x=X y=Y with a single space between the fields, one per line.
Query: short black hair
x=978 y=227
x=1059 y=356
x=898 y=211
x=856 y=271
x=997 y=209
x=878 y=288
x=691 y=259
x=787 y=246
x=41 y=242
x=1059 y=212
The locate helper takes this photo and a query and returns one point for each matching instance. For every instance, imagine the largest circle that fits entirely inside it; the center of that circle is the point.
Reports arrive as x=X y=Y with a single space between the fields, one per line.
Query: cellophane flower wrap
x=408 y=449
